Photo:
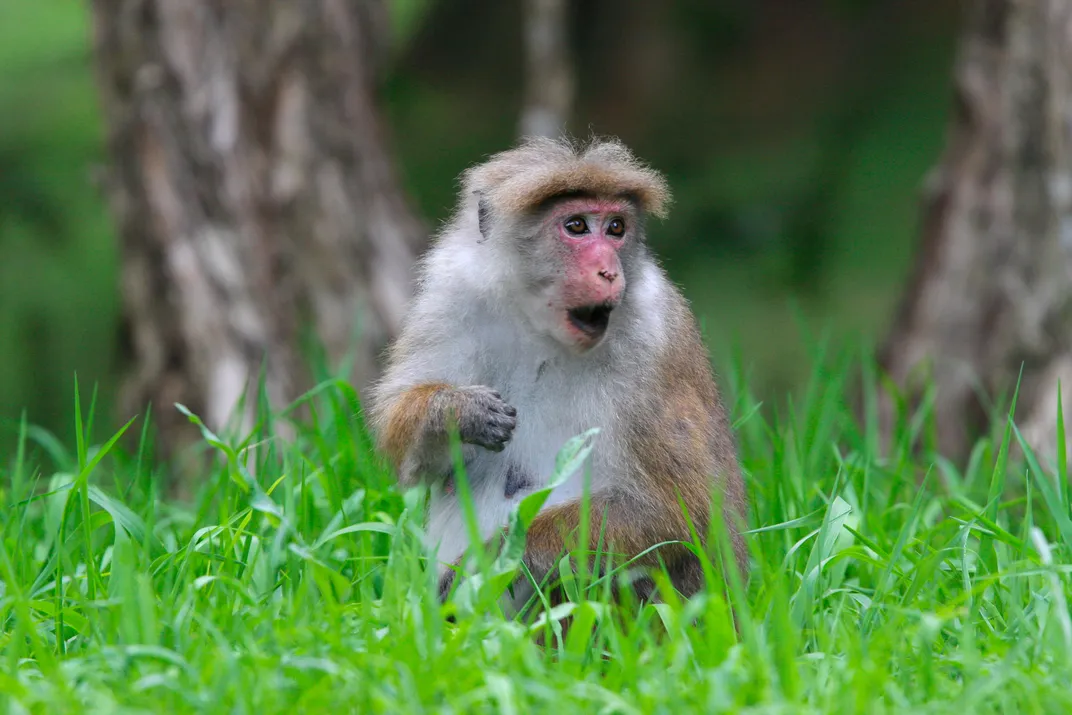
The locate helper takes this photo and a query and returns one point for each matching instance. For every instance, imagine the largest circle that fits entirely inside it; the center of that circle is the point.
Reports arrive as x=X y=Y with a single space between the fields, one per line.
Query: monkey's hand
x=451 y=574
x=447 y=579
x=484 y=419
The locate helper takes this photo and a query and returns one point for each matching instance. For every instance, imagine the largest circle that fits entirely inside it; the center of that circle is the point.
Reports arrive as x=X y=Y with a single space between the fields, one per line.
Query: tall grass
x=884 y=580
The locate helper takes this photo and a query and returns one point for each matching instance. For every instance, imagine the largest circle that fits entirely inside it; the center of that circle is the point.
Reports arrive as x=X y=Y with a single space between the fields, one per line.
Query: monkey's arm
x=412 y=426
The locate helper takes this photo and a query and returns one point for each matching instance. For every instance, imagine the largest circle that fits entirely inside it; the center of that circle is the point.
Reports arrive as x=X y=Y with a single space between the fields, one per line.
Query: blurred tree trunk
x=548 y=69
x=254 y=194
x=992 y=288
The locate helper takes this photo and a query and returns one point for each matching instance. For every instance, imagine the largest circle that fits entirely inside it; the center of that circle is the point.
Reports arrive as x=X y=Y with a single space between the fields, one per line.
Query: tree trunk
x=548 y=70
x=992 y=289
x=254 y=194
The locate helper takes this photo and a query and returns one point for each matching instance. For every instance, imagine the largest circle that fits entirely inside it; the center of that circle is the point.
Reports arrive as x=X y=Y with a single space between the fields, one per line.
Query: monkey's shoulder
x=677 y=427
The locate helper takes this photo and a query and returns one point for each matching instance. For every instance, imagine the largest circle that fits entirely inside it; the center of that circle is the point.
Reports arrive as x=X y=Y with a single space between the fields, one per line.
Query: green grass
x=883 y=581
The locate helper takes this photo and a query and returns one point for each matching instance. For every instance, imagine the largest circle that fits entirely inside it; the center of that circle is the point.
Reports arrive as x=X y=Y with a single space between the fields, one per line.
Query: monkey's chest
x=499 y=481
x=550 y=412
x=528 y=461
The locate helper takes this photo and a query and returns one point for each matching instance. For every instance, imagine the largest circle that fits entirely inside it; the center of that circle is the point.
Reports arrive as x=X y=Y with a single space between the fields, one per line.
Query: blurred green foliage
x=58 y=281
x=795 y=134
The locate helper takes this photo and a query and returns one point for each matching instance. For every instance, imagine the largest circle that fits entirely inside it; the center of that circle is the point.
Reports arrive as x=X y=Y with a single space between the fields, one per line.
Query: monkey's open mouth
x=591 y=320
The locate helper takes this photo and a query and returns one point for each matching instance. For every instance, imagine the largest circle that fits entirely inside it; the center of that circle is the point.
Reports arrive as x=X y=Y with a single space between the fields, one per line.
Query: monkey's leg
x=621 y=527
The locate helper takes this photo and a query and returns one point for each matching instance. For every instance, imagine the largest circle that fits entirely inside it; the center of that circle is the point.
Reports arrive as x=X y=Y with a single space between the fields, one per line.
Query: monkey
x=540 y=312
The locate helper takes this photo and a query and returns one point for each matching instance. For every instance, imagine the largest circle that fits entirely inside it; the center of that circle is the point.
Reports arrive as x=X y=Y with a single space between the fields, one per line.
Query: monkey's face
x=574 y=268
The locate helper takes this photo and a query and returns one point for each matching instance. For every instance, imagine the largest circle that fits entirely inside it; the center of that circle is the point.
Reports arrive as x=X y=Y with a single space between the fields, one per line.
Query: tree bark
x=548 y=70
x=254 y=195
x=992 y=288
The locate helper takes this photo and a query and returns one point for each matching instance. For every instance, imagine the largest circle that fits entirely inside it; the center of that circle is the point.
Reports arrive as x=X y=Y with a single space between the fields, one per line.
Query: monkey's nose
x=609 y=275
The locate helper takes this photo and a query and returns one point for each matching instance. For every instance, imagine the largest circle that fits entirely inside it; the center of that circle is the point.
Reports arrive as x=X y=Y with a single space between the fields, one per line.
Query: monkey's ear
x=483 y=215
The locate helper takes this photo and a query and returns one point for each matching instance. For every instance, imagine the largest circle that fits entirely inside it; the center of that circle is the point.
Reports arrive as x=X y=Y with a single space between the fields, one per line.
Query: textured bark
x=548 y=70
x=992 y=288
x=254 y=195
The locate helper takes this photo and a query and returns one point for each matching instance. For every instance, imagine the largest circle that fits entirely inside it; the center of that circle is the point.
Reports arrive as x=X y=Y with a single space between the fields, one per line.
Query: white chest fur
x=535 y=384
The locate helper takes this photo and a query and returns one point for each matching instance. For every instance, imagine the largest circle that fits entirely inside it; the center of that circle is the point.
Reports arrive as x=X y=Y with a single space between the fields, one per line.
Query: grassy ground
x=881 y=582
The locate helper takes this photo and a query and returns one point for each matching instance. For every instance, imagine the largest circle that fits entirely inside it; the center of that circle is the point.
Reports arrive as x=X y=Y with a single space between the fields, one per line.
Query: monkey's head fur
x=564 y=221
x=538 y=169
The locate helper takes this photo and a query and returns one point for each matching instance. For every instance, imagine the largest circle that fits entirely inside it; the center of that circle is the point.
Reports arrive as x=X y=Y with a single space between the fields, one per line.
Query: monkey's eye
x=616 y=227
x=576 y=225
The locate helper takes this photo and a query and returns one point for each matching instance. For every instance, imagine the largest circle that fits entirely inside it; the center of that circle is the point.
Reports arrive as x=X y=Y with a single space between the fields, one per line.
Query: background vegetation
x=796 y=135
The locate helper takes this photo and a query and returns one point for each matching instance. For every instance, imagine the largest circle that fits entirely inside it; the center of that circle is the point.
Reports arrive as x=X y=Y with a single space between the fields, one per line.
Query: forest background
x=796 y=135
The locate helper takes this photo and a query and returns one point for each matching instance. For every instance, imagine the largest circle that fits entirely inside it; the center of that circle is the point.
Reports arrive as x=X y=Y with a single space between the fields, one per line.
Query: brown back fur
x=682 y=443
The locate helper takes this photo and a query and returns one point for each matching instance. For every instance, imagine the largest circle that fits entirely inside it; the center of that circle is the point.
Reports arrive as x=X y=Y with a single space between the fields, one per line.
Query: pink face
x=592 y=232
